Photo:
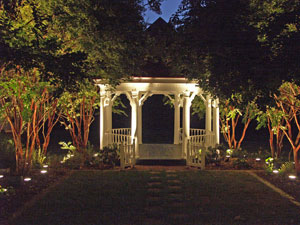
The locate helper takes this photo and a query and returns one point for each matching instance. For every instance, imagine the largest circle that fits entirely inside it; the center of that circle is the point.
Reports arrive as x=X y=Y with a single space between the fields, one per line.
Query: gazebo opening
x=158 y=121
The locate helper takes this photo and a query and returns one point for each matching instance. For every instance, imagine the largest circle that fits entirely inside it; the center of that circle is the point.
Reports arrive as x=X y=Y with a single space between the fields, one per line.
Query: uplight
x=275 y=171
x=26 y=179
x=292 y=177
x=96 y=154
x=227 y=156
x=4 y=189
x=1 y=176
x=257 y=159
x=43 y=171
x=45 y=166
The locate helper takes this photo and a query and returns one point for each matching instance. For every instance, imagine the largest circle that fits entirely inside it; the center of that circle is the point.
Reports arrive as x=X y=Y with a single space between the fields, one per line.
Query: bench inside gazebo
x=189 y=143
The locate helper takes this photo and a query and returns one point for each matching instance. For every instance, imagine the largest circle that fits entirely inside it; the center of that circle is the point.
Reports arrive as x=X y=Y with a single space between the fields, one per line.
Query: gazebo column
x=176 y=118
x=186 y=122
x=140 y=122
x=108 y=116
x=102 y=121
x=216 y=121
x=134 y=102
x=208 y=118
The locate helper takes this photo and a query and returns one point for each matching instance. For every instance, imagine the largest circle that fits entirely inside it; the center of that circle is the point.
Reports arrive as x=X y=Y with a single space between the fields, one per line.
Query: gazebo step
x=160 y=152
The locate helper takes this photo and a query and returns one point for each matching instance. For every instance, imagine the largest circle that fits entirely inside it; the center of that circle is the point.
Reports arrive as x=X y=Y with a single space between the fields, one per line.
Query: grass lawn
x=182 y=197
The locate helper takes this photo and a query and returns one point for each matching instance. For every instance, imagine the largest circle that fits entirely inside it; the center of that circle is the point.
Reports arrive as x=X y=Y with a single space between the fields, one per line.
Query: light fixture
x=43 y=171
x=275 y=171
x=45 y=166
x=292 y=177
x=257 y=159
x=26 y=179
x=1 y=176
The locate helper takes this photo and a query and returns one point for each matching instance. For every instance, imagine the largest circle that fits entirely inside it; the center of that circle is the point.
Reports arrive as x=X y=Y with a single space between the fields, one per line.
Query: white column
x=140 y=122
x=176 y=119
x=102 y=120
x=216 y=121
x=208 y=114
x=186 y=122
x=134 y=102
x=108 y=116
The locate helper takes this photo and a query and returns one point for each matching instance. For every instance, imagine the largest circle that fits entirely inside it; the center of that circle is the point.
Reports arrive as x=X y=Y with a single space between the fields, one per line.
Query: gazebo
x=180 y=91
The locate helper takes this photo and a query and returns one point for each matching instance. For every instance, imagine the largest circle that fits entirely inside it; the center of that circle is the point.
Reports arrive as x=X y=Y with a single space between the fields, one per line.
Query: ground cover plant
x=205 y=197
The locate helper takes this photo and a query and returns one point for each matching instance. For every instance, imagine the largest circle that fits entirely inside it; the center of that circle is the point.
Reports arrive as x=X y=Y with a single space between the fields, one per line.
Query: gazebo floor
x=160 y=152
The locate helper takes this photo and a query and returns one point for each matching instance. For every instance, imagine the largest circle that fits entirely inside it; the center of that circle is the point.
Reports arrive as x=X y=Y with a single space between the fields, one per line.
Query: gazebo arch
x=180 y=91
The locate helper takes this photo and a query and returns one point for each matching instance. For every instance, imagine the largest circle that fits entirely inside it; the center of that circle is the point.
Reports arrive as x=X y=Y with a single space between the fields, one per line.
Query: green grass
x=209 y=197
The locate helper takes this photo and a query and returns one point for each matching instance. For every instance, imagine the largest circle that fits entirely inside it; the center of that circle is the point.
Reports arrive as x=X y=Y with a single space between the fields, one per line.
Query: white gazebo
x=180 y=91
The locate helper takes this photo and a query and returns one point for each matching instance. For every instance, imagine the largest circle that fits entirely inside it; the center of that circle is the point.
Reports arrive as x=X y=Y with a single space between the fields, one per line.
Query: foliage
x=78 y=112
x=23 y=99
x=241 y=163
x=6 y=191
x=110 y=155
x=287 y=168
x=7 y=151
x=214 y=155
x=230 y=112
x=198 y=107
x=38 y=158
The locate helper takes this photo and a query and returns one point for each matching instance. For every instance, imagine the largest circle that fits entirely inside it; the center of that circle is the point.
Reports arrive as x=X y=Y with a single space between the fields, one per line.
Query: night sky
x=168 y=8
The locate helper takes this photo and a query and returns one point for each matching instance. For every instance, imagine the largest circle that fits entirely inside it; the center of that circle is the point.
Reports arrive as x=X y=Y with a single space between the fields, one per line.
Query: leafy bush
x=214 y=155
x=287 y=168
x=38 y=158
x=241 y=163
x=7 y=151
x=110 y=155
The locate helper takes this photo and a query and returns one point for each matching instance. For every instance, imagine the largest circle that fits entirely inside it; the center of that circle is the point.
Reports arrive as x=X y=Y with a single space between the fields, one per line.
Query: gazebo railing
x=193 y=132
x=122 y=138
x=196 y=149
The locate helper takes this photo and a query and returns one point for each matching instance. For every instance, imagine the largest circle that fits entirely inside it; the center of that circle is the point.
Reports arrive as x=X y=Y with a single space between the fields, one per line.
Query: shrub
x=7 y=151
x=110 y=155
x=241 y=163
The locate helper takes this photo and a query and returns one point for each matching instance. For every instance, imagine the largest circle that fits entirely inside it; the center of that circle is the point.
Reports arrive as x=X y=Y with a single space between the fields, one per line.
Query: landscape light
x=275 y=171
x=292 y=177
x=72 y=155
x=4 y=189
x=45 y=166
x=96 y=154
x=1 y=176
x=257 y=159
x=26 y=179
x=227 y=156
x=43 y=171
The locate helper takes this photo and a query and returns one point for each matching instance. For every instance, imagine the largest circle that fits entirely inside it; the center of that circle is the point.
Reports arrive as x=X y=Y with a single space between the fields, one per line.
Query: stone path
x=164 y=198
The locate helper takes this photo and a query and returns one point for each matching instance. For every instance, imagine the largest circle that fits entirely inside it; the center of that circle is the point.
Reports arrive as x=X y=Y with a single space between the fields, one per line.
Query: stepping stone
x=153 y=183
x=154 y=172
x=173 y=187
x=154 y=209
x=175 y=195
x=155 y=178
x=173 y=181
x=177 y=204
x=154 y=190
x=152 y=221
x=171 y=175
x=179 y=216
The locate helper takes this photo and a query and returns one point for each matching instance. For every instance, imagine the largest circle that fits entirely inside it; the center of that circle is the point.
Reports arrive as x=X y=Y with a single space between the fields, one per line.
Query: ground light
x=43 y=171
x=257 y=159
x=275 y=171
x=1 y=176
x=45 y=166
x=292 y=177
x=26 y=179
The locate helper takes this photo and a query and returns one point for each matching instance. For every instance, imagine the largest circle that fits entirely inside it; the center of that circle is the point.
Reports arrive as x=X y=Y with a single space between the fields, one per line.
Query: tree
x=24 y=104
x=289 y=104
x=78 y=112
x=231 y=110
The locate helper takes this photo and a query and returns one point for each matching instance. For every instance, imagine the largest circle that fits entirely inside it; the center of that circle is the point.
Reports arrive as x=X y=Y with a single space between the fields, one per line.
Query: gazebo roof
x=155 y=85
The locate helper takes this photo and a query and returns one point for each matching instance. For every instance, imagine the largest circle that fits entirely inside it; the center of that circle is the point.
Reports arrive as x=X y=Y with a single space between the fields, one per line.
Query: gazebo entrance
x=181 y=91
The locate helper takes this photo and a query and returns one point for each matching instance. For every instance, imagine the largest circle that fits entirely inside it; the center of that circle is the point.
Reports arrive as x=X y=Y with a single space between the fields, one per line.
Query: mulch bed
x=18 y=192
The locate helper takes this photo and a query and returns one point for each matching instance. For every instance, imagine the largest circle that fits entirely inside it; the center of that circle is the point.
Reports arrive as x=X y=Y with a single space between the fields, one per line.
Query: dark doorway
x=158 y=121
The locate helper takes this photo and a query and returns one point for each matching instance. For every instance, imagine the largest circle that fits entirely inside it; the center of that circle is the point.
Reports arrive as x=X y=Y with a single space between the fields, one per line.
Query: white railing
x=193 y=132
x=122 y=138
x=196 y=148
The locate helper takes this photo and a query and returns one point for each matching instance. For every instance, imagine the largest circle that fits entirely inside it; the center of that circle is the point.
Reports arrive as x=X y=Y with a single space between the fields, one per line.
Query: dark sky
x=168 y=7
